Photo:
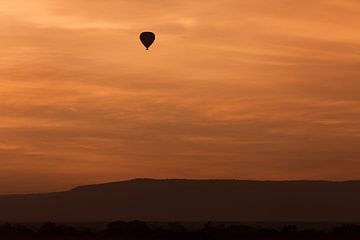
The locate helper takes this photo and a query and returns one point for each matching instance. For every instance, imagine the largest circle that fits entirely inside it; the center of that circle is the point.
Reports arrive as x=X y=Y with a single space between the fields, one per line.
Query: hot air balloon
x=147 y=38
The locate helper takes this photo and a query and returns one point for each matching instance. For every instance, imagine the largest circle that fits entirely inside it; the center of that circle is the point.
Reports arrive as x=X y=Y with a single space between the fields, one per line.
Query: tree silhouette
x=175 y=231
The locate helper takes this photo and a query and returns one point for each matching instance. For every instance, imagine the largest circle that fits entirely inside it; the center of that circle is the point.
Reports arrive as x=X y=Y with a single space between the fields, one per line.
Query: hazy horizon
x=231 y=89
x=181 y=179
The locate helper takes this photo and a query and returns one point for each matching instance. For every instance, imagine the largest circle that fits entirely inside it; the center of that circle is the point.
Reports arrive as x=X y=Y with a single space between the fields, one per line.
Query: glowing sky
x=247 y=89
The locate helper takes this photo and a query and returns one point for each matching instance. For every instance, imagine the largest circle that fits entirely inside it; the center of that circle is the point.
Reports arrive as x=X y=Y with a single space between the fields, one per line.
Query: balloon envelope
x=147 y=38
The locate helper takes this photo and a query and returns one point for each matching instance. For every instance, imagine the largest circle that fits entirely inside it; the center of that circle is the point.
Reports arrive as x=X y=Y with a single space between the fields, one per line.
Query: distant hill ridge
x=191 y=200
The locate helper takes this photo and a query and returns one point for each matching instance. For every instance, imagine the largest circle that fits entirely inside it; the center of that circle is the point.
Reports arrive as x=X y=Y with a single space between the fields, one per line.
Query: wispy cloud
x=230 y=89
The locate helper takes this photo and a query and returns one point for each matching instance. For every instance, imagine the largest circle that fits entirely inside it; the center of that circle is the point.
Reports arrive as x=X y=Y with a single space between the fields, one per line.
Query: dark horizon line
x=184 y=180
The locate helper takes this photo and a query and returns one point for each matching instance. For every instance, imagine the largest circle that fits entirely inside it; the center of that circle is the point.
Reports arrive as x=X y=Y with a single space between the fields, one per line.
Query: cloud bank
x=231 y=89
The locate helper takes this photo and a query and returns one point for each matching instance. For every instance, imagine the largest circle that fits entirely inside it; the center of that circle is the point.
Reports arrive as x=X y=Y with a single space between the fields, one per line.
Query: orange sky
x=247 y=89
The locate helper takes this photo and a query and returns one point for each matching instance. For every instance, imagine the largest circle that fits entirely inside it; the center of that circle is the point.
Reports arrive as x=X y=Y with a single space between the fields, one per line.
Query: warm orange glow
x=246 y=89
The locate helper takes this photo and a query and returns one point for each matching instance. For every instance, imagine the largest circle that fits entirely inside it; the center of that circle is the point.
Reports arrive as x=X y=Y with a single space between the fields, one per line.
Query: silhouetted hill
x=191 y=200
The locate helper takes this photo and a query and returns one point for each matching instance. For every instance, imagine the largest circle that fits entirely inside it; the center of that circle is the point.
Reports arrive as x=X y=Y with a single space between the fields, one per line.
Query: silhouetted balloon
x=147 y=38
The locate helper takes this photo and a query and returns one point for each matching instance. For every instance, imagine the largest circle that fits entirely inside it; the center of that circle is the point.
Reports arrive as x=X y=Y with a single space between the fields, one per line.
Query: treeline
x=141 y=230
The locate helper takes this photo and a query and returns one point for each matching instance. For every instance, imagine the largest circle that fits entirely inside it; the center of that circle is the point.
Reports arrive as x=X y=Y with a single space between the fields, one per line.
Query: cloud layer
x=231 y=89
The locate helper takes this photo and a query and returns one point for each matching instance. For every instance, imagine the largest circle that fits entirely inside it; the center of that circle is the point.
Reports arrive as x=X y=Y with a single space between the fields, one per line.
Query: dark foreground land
x=190 y=200
x=134 y=230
